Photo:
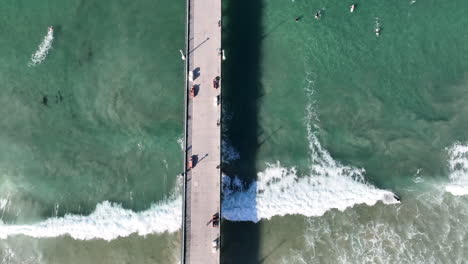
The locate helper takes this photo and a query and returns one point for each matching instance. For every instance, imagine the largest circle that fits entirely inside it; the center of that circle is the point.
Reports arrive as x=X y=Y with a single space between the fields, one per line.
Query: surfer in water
x=317 y=15
x=45 y=100
x=377 y=31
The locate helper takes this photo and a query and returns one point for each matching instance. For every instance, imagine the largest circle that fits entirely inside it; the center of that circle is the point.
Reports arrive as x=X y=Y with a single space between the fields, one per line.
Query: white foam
x=280 y=191
x=8 y=255
x=458 y=165
x=43 y=49
x=109 y=221
x=429 y=227
x=373 y=242
x=180 y=141
x=3 y=203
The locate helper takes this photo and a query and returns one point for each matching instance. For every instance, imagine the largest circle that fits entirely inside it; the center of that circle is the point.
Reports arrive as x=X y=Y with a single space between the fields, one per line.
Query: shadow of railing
x=242 y=37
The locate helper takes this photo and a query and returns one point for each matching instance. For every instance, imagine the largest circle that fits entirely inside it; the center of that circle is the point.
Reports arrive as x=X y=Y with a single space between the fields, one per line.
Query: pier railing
x=186 y=134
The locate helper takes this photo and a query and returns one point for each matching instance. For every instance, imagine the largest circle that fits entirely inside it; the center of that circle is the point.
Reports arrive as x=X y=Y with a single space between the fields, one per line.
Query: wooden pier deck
x=202 y=183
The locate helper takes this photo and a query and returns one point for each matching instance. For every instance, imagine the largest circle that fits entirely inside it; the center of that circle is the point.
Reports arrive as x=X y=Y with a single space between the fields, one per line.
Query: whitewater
x=278 y=191
x=458 y=165
x=109 y=221
x=43 y=49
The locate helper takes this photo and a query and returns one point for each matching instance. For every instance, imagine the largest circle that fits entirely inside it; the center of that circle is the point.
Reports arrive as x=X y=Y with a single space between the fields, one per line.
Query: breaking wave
x=458 y=165
x=109 y=221
x=279 y=191
x=403 y=234
x=43 y=49
x=3 y=203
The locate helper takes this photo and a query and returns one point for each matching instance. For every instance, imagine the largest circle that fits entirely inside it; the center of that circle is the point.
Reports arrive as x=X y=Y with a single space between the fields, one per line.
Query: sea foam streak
x=108 y=221
x=280 y=191
x=43 y=48
x=458 y=165
x=277 y=192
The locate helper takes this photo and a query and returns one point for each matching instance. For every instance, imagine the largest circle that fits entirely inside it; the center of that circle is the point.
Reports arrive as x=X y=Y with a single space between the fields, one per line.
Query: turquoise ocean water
x=324 y=122
x=110 y=130
x=341 y=116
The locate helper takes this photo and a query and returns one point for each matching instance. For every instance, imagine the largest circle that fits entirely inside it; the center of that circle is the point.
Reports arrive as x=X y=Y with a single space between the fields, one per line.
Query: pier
x=201 y=238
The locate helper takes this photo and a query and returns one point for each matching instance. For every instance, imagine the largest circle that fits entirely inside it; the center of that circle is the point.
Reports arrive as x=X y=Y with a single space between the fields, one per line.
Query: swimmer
x=317 y=15
x=45 y=100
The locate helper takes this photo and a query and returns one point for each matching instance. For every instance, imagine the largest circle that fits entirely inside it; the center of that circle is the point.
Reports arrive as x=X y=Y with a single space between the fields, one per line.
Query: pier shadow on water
x=242 y=37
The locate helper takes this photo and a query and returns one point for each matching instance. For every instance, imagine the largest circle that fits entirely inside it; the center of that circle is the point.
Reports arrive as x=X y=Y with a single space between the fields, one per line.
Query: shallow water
x=163 y=248
x=347 y=114
x=91 y=112
x=328 y=122
x=110 y=128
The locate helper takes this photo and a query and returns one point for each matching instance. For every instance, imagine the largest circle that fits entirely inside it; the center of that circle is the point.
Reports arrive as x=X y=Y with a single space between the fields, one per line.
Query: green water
x=391 y=105
x=109 y=132
x=132 y=249
x=113 y=135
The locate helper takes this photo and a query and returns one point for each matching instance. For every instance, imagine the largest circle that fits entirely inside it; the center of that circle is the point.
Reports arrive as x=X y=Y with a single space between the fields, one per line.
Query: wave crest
x=43 y=49
x=280 y=191
x=458 y=165
x=109 y=221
